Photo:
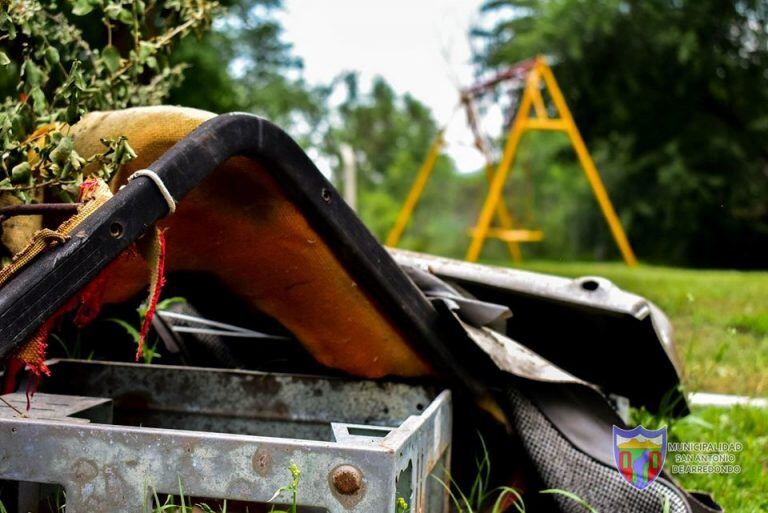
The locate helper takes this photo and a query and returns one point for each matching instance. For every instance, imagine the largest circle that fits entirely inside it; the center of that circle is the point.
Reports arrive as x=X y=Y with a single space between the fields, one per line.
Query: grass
x=481 y=498
x=743 y=492
x=182 y=503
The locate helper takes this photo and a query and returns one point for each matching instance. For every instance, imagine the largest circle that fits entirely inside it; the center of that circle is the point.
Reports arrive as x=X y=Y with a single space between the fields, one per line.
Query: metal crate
x=221 y=434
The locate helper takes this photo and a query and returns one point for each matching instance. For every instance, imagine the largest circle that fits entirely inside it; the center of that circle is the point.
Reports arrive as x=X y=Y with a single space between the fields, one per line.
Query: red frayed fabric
x=87 y=187
x=32 y=354
x=33 y=384
x=156 y=283
x=87 y=303
x=91 y=300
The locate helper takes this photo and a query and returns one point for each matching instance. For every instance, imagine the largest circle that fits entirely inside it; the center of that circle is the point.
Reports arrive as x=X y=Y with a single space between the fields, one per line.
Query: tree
x=244 y=64
x=390 y=135
x=672 y=96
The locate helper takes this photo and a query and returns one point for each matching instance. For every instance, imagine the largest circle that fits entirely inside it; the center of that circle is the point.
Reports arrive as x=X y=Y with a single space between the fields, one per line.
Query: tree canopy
x=245 y=64
x=672 y=96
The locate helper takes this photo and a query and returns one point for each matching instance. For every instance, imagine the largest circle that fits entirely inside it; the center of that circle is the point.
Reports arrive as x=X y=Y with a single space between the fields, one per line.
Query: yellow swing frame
x=532 y=99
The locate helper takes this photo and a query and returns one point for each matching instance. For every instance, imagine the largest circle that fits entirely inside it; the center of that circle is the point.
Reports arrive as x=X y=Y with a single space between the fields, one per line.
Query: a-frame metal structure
x=532 y=114
x=532 y=100
x=507 y=231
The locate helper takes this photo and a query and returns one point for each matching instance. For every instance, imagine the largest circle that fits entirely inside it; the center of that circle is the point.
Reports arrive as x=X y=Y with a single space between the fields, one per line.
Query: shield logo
x=639 y=454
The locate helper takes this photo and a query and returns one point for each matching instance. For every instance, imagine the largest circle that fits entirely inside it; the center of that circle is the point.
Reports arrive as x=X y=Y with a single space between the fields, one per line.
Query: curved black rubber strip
x=43 y=287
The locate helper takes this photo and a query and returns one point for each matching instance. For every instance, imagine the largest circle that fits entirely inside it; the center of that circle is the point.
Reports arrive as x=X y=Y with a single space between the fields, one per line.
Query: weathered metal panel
x=111 y=467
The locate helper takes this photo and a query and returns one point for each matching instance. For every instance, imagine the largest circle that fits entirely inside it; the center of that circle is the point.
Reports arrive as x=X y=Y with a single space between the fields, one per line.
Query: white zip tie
x=160 y=187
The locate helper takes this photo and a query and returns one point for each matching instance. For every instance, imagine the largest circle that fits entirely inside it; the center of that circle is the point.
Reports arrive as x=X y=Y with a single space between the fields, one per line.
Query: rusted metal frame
x=479 y=234
x=110 y=468
x=516 y=71
x=37 y=209
x=467 y=95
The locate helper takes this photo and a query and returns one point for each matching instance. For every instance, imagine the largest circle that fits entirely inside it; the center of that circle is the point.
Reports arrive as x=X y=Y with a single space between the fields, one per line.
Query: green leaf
x=112 y=10
x=165 y=304
x=132 y=332
x=52 y=55
x=7 y=25
x=38 y=100
x=125 y=17
x=32 y=74
x=20 y=172
x=4 y=60
x=146 y=49
x=60 y=154
x=572 y=496
x=111 y=58
x=82 y=7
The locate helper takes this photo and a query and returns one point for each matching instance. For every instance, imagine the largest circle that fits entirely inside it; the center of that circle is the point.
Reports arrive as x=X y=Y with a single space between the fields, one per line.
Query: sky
x=419 y=46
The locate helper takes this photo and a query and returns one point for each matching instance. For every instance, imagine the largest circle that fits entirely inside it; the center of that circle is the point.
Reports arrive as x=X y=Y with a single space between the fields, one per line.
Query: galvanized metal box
x=221 y=434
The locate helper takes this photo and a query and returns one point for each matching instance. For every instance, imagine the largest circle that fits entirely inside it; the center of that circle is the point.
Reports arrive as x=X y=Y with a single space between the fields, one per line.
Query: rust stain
x=84 y=470
x=347 y=485
x=262 y=461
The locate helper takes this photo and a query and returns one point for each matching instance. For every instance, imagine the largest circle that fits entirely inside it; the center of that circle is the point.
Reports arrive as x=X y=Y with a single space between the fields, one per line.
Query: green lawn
x=742 y=492
x=721 y=331
x=745 y=429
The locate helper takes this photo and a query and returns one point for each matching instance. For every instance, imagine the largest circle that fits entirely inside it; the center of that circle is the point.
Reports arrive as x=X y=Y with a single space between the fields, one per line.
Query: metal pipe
x=34 y=209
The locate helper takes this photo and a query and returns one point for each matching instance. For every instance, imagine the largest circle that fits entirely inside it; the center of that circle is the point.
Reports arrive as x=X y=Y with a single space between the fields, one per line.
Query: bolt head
x=347 y=479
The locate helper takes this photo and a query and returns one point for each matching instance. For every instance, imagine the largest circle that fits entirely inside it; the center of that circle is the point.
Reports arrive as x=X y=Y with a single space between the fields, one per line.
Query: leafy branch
x=60 y=75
